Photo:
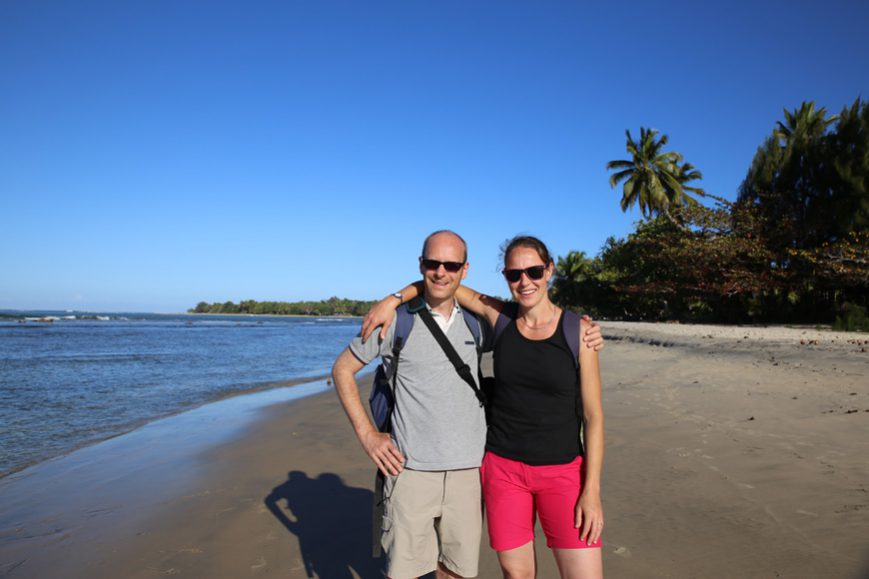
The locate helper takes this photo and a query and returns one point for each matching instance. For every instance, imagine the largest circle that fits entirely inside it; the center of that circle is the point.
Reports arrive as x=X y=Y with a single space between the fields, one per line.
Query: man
x=433 y=518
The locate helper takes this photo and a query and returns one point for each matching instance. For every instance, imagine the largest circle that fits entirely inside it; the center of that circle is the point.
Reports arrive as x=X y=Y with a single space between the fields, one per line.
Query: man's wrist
x=399 y=297
x=363 y=431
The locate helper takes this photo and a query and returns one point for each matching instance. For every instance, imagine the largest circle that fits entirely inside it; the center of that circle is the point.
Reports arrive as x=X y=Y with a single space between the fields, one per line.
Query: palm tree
x=576 y=280
x=803 y=124
x=653 y=178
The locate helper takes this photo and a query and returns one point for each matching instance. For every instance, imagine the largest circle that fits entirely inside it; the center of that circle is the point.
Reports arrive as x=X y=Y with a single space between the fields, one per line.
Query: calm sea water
x=87 y=377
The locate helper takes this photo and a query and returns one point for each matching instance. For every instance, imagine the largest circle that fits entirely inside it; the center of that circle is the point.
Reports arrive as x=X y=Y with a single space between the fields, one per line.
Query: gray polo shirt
x=437 y=423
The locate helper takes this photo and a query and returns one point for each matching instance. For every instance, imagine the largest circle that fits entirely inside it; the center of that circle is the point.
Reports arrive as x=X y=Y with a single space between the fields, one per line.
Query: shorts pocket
x=390 y=484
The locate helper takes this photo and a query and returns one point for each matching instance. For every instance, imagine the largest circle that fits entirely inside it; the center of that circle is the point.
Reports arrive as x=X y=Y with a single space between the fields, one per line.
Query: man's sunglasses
x=433 y=264
x=533 y=272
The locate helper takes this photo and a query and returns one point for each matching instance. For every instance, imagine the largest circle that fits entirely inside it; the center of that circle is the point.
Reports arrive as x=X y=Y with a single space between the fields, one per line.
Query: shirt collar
x=444 y=323
x=456 y=308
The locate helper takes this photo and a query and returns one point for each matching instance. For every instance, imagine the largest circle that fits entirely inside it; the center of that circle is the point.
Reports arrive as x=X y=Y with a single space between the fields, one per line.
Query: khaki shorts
x=425 y=509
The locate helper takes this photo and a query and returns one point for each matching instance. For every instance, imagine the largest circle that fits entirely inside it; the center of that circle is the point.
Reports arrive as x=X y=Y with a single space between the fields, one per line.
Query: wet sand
x=731 y=452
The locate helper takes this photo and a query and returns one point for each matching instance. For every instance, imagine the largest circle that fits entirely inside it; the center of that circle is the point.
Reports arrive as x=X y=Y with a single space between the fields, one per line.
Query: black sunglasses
x=433 y=264
x=533 y=272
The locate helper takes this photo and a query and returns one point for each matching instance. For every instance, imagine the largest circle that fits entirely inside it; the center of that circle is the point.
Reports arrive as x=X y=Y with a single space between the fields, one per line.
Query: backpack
x=382 y=398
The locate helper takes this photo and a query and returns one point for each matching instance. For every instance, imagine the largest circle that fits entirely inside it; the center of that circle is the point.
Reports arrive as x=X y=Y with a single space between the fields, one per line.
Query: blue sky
x=158 y=153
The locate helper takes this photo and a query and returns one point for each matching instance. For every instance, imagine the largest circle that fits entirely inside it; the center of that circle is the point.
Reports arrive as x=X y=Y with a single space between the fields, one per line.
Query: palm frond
x=619 y=164
x=617 y=178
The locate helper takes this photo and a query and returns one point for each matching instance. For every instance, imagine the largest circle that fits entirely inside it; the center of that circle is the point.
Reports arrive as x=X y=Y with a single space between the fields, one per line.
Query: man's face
x=441 y=284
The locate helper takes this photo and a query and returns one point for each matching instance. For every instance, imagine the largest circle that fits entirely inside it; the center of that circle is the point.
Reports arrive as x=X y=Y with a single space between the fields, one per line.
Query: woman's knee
x=519 y=572
x=518 y=563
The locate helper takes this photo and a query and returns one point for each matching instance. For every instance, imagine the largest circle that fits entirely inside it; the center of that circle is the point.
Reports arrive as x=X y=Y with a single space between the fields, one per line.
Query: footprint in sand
x=260 y=563
x=679 y=451
x=623 y=552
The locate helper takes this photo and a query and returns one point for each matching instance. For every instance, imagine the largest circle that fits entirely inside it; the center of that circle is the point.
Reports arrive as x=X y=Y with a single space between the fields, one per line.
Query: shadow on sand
x=332 y=522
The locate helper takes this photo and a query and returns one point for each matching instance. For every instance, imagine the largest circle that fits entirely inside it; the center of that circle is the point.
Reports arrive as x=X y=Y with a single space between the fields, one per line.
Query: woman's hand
x=589 y=517
x=381 y=314
x=593 y=337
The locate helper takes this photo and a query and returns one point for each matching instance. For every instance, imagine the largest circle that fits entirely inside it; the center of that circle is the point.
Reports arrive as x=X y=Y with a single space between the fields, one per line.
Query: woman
x=535 y=462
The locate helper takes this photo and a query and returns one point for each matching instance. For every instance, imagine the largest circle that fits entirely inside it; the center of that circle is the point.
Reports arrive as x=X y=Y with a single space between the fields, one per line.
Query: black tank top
x=536 y=404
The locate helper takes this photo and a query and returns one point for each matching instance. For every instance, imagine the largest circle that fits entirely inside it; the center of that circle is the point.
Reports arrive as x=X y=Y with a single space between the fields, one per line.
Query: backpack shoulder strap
x=473 y=323
x=458 y=363
x=508 y=312
x=571 y=333
x=403 y=325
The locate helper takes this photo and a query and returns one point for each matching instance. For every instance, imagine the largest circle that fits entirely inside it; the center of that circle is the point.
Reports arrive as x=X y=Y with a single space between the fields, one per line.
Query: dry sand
x=731 y=452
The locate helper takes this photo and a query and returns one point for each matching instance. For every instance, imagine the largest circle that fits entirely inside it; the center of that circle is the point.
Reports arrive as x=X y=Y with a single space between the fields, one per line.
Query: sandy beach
x=731 y=452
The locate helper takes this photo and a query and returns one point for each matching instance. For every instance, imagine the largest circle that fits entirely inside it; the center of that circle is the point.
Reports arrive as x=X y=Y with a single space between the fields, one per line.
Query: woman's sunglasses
x=433 y=264
x=533 y=272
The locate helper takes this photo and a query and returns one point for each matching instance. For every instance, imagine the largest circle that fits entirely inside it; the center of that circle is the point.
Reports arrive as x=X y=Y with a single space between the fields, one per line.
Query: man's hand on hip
x=383 y=452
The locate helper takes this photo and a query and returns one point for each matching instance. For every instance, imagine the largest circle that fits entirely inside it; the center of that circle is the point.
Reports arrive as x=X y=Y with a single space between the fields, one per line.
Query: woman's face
x=527 y=292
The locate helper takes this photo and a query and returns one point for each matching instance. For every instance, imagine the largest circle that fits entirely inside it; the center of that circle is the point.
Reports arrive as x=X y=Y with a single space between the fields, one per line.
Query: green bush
x=854 y=319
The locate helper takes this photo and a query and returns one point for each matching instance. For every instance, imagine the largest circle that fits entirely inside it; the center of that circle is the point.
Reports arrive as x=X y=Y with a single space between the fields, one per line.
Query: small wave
x=95 y=358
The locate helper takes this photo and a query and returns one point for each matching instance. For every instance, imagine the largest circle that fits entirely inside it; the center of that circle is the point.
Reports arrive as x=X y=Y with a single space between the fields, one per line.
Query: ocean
x=86 y=377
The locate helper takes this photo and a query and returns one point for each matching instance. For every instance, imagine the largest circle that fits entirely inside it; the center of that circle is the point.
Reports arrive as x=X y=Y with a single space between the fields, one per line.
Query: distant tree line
x=793 y=247
x=332 y=307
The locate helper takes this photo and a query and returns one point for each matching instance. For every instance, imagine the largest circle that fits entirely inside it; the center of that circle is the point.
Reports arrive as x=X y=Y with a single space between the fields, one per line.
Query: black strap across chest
x=463 y=369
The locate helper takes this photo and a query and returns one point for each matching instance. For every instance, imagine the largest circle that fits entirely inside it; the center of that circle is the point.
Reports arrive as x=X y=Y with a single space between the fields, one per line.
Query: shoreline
x=329 y=317
x=99 y=492
x=266 y=387
x=20 y=314
x=819 y=327
x=219 y=397
x=720 y=443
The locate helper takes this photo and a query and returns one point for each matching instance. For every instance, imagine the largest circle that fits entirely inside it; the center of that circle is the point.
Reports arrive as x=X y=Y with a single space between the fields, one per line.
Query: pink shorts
x=515 y=493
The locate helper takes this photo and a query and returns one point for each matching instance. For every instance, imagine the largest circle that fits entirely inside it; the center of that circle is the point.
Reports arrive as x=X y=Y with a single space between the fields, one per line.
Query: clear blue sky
x=158 y=153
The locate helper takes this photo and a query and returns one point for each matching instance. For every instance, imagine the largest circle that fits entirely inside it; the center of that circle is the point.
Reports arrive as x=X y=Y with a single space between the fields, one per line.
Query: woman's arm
x=383 y=312
x=589 y=512
x=481 y=304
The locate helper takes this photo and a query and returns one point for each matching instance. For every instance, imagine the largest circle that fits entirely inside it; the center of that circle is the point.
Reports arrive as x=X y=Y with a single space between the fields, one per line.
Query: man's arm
x=382 y=313
x=592 y=336
x=378 y=445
